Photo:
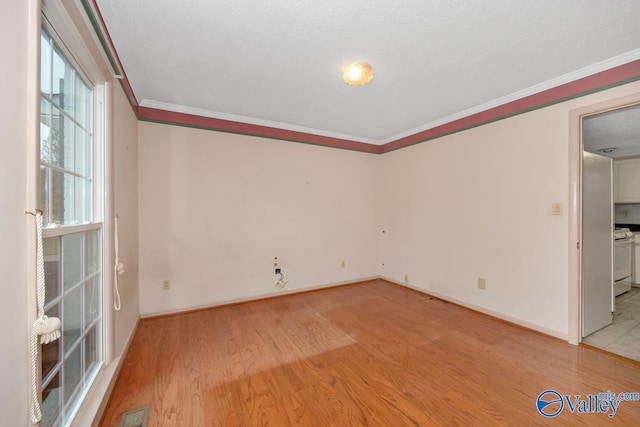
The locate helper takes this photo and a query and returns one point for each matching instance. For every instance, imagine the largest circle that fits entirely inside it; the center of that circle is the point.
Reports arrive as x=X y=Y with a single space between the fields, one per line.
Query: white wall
x=477 y=204
x=14 y=303
x=216 y=208
x=125 y=184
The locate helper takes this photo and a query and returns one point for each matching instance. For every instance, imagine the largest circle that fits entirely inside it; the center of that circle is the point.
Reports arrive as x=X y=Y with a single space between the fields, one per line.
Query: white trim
x=94 y=36
x=532 y=90
x=575 y=229
x=71 y=41
x=575 y=206
x=607 y=64
x=256 y=297
x=95 y=402
x=68 y=25
x=70 y=229
x=482 y=310
x=31 y=176
x=150 y=103
x=108 y=326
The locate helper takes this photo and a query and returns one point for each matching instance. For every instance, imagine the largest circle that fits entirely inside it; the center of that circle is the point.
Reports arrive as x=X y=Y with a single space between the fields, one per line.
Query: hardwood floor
x=373 y=354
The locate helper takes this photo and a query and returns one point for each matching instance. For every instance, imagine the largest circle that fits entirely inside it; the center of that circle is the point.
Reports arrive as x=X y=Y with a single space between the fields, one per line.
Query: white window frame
x=97 y=214
x=68 y=23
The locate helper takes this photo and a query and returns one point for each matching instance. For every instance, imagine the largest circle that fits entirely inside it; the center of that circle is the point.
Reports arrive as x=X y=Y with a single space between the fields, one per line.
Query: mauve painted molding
x=100 y=27
x=593 y=83
x=191 y=120
x=603 y=80
x=596 y=82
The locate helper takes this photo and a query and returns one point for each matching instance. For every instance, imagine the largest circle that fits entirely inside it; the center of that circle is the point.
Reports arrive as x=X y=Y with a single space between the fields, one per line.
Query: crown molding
x=150 y=103
x=524 y=93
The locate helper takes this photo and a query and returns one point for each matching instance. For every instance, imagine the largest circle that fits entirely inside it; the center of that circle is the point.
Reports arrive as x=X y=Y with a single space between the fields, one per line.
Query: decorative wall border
x=209 y=123
x=616 y=76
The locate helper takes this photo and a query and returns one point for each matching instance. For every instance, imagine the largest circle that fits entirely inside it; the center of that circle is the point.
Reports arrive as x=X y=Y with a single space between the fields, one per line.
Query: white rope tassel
x=118 y=268
x=36 y=411
x=47 y=328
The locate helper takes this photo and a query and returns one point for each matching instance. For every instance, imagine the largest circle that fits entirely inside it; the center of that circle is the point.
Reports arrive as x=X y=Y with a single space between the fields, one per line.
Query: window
x=70 y=157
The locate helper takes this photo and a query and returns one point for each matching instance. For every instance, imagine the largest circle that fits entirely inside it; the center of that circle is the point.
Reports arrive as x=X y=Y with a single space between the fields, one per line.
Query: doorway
x=605 y=313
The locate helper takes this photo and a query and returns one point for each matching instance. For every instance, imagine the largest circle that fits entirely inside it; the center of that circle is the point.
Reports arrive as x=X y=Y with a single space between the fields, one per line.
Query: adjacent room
x=320 y=213
x=612 y=156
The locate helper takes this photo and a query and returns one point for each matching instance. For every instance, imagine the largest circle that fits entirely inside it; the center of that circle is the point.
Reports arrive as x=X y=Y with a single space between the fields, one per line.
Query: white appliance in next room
x=635 y=273
x=622 y=261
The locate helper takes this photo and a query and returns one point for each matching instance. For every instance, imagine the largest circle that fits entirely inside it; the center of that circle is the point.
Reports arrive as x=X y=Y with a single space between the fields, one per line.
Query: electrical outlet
x=343 y=264
x=166 y=285
x=482 y=283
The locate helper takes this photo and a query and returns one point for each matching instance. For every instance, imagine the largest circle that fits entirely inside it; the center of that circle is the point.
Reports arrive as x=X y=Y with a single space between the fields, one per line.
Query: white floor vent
x=135 y=418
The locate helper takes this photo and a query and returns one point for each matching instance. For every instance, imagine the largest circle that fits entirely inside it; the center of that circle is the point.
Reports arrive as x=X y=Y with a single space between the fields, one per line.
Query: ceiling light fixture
x=358 y=73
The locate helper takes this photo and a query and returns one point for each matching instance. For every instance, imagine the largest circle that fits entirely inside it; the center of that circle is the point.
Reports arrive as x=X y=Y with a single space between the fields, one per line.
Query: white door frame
x=575 y=205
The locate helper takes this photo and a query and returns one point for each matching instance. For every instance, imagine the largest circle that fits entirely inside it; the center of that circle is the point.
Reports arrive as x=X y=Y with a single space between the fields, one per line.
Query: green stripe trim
x=106 y=47
x=517 y=113
x=257 y=135
x=107 y=50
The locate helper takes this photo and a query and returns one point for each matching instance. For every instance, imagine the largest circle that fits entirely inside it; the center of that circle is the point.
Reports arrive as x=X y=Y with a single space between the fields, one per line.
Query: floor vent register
x=135 y=418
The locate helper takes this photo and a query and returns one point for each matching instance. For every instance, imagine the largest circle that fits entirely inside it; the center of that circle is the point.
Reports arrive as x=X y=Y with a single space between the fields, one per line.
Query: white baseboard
x=95 y=403
x=91 y=411
x=498 y=315
x=255 y=297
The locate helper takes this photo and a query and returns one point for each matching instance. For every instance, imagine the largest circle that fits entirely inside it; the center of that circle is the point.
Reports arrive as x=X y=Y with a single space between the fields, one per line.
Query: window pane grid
x=68 y=196
x=72 y=243
x=70 y=363
x=63 y=114
x=72 y=256
x=87 y=351
x=51 y=374
x=58 y=169
x=66 y=142
x=51 y=399
x=56 y=300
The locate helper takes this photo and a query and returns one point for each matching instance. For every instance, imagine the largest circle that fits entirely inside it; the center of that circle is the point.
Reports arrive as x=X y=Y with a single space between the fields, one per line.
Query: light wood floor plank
x=370 y=354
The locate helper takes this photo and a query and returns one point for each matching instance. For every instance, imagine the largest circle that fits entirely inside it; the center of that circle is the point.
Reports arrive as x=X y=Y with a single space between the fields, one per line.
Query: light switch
x=556 y=209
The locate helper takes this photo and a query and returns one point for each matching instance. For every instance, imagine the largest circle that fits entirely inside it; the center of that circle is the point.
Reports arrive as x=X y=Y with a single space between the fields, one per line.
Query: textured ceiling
x=278 y=63
x=617 y=132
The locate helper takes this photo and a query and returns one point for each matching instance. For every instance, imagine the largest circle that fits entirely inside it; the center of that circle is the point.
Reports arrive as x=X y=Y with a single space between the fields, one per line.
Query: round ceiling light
x=358 y=73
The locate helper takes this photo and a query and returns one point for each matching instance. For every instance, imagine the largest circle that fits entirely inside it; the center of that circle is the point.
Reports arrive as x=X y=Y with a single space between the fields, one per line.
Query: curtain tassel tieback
x=47 y=328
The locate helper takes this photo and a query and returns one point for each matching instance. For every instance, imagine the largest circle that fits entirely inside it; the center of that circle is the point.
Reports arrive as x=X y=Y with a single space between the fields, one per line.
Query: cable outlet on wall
x=166 y=285
x=482 y=283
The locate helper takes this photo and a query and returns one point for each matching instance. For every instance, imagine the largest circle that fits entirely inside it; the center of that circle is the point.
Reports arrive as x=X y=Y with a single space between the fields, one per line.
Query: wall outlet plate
x=556 y=208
